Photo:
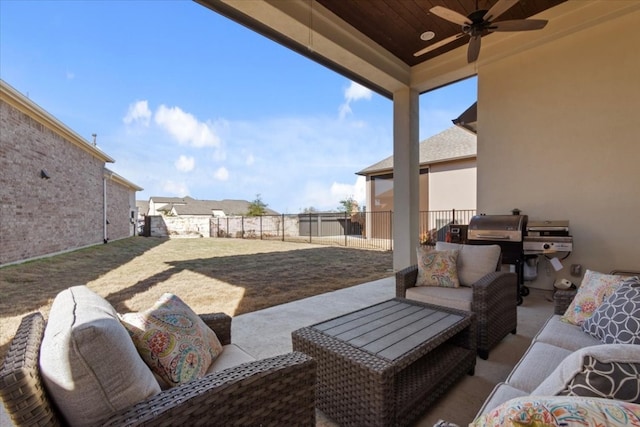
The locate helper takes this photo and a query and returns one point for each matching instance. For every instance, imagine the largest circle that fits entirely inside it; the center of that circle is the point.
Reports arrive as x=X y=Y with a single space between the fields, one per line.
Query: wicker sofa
x=274 y=391
x=492 y=295
x=570 y=370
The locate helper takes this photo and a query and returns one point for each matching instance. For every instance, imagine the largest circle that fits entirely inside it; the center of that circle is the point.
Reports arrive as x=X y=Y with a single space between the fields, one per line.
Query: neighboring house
x=447 y=175
x=186 y=216
x=56 y=194
x=188 y=206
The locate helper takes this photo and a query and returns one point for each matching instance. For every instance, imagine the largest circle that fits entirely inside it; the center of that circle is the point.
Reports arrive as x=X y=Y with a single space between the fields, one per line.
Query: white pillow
x=474 y=261
x=88 y=362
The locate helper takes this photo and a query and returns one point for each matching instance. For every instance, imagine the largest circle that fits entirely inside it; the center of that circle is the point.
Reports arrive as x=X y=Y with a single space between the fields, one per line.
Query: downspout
x=104 y=207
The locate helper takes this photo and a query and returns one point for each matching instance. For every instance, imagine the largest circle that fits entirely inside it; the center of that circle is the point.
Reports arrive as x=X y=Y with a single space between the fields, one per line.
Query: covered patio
x=267 y=333
x=556 y=107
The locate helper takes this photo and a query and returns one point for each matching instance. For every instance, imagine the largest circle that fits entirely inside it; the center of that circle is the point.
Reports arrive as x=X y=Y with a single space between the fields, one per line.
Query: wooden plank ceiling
x=396 y=25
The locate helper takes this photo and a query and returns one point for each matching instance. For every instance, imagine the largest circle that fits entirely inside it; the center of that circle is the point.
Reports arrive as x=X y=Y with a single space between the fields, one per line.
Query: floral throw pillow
x=173 y=341
x=617 y=319
x=593 y=290
x=437 y=268
x=560 y=411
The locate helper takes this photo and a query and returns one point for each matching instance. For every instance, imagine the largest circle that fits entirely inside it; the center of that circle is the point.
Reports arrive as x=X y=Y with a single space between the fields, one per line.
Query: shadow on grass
x=274 y=278
x=27 y=287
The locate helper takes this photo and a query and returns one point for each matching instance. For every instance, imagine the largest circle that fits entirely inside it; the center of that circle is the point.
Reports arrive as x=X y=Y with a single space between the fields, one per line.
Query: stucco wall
x=452 y=185
x=564 y=142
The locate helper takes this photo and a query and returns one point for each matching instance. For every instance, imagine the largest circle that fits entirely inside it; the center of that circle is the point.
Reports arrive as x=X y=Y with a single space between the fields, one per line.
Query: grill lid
x=497 y=227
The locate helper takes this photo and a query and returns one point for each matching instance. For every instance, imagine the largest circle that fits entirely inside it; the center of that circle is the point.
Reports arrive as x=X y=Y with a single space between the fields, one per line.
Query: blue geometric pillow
x=617 y=320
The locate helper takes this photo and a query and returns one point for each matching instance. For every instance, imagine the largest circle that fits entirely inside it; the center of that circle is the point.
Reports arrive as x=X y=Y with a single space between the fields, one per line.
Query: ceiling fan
x=479 y=23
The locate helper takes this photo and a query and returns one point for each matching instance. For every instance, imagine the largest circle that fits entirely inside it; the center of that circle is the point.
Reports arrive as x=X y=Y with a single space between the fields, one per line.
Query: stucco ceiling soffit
x=313 y=31
x=565 y=19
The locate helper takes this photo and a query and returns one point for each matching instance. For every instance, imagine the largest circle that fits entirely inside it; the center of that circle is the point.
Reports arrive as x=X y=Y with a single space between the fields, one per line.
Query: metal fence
x=365 y=230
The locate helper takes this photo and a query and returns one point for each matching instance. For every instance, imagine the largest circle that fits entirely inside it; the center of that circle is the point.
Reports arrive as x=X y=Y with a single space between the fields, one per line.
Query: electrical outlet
x=576 y=270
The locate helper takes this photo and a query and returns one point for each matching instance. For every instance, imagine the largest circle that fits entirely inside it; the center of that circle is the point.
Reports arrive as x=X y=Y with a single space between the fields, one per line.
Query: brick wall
x=44 y=216
x=120 y=203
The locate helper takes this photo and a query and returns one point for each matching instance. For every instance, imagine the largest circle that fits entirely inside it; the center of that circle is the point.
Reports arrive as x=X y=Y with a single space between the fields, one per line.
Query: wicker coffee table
x=385 y=364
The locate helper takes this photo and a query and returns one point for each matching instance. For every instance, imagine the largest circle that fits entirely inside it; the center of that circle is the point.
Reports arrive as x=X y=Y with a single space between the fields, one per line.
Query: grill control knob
x=546 y=246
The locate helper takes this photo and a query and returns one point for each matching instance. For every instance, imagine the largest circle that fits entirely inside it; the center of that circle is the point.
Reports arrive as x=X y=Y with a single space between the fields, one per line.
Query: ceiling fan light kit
x=480 y=23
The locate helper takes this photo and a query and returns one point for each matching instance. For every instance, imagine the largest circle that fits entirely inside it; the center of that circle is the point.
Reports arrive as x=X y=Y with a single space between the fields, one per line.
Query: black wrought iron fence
x=434 y=224
x=365 y=230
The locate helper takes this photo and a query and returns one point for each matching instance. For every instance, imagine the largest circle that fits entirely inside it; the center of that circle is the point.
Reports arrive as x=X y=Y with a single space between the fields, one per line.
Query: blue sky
x=190 y=103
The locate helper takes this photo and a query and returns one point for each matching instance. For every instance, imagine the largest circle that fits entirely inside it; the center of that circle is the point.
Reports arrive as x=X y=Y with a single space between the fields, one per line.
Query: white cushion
x=458 y=298
x=88 y=362
x=474 y=261
x=231 y=356
x=565 y=335
x=536 y=365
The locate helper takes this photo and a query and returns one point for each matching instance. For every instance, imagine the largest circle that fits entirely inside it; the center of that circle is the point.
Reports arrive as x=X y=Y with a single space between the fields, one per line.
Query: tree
x=257 y=207
x=348 y=205
x=310 y=209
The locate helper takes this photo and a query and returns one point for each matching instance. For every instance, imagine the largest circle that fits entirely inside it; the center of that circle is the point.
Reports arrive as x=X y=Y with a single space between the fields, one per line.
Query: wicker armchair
x=275 y=391
x=494 y=302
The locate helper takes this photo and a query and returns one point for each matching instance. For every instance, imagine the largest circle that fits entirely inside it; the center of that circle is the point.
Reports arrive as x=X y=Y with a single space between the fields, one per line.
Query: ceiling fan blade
x=438 y=44
x=474 y=49
x=450 y=15
x=519 y=25
x=498 y=9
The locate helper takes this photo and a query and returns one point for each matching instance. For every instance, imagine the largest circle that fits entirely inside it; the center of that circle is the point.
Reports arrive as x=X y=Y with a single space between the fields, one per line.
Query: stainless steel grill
x=508 y=231
x=503 y=228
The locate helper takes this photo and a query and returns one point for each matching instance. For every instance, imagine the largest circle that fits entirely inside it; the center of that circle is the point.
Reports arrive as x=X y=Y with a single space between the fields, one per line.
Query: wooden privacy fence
x=366 y=230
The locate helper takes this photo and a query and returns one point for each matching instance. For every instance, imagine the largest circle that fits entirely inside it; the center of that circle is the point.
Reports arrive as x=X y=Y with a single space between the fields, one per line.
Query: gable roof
x=23 y=104
x=451 y=144
x=190 y=206
x=143 y=207
x=186 y=199
x=108 y=173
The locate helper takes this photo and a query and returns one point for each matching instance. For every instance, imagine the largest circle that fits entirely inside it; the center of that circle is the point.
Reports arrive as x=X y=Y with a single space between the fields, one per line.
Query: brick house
x=55 y=193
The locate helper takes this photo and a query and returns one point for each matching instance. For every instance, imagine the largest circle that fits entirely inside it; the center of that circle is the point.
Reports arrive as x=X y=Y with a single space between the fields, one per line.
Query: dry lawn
x=230 y=275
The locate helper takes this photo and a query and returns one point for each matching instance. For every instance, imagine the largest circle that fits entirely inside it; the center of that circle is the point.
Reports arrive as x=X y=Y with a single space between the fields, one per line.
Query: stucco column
x=406 y=169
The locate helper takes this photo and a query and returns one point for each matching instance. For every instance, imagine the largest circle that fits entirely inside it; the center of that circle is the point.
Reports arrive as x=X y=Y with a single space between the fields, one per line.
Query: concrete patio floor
x=267 y=332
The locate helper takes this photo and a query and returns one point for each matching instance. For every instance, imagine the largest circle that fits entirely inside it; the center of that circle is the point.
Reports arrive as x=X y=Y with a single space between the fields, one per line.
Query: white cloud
x=357 y=190
x=185 y=128
x=138 y=112
x=185 y=163
x=354 y=92
x=179 y=189
x=222 y=174
x=250 y=160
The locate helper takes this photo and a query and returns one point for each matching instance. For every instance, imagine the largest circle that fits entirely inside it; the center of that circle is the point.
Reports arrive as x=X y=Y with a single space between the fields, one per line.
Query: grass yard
x=231 y=275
